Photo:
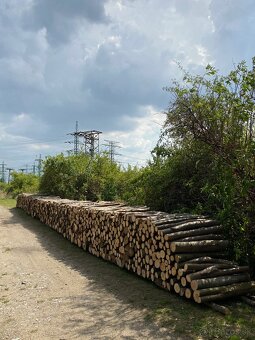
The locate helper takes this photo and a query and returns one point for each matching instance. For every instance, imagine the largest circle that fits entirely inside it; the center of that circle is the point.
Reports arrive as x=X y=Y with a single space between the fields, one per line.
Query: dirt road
x=50 y=289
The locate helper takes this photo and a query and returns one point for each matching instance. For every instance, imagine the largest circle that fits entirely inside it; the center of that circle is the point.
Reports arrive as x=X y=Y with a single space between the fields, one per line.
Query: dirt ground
x=50 y=289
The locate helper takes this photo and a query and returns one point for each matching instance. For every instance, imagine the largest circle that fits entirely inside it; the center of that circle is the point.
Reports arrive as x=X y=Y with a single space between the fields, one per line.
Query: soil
x=51 y=289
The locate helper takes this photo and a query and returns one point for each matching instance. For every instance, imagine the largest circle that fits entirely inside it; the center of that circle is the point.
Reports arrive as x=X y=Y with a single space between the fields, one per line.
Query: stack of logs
x=179 y=252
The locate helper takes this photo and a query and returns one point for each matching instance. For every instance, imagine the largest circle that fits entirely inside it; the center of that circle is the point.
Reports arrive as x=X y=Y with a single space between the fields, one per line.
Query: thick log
x=198 y=246
x=229 y=290
x=174 y=219
x=219 y=281
x=171 y=236
x=188 y=293
x=180 y=258
x=208 y=259
x=215 y=271
x=200 y=266
x=194 y=224
x=200 y=237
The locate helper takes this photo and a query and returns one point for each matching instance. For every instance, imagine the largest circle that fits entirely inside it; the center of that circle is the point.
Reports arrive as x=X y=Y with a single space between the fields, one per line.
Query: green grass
x=8 y=202
x=198 y=322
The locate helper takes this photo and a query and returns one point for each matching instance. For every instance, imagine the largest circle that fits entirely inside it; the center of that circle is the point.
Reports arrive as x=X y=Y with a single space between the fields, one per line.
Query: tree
x=28 y=183
x=213 y=116
x=83 y=177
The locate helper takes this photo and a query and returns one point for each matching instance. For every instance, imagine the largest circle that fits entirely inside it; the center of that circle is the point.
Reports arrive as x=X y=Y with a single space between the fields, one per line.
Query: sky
x=104 y=63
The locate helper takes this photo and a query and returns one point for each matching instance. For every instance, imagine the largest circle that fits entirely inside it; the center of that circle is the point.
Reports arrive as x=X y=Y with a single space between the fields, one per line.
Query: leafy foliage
x=210 y=129
x=81 y=177
x=22 y=183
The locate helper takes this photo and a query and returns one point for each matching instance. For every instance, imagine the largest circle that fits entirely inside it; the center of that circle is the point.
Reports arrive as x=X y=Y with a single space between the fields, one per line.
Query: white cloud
x=137 y=142
x=104 y=63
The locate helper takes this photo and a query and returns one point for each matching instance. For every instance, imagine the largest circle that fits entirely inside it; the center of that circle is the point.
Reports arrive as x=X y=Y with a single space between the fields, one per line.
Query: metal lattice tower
x=9 y=173
x=75 y=141
x=33 y=169
x=2 y=172
x=91 y=141
x=112 y=146
x=39 y=166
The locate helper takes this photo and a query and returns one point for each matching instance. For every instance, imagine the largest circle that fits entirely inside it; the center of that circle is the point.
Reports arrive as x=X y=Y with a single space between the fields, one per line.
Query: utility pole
x=9 y=173
x=112 y=145
x=75 y=141
x=39 y=166
x=3 y=172
x=22 y=170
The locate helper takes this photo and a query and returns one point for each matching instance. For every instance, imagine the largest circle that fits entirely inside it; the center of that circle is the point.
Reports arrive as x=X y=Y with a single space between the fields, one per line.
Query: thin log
x=219 y=308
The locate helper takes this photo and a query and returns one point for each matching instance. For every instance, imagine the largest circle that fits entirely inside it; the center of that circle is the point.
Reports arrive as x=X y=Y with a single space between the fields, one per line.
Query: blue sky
x=104 y=63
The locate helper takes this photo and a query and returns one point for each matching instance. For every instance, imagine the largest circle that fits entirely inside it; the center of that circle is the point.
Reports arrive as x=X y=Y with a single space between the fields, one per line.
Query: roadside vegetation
x=203 y=162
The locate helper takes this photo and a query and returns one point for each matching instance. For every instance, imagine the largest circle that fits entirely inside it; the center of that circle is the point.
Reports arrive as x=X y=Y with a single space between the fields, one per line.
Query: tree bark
x=219 y=281
x=198 y=246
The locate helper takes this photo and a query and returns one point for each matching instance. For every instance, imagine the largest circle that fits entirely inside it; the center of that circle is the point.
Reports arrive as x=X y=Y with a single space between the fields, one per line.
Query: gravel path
x=50 y=289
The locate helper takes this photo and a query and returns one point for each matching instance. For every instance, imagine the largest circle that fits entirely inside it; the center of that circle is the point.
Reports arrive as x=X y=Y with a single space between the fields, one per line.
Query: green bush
x=22 y=183
x=210 y=163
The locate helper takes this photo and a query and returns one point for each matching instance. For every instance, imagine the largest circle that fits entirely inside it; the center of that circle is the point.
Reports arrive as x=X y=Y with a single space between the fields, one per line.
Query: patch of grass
x=8 y=202
x=198 y=322
x=7 y=249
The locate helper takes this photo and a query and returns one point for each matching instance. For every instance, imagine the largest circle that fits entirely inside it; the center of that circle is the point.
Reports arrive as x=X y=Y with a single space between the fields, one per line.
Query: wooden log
x=224 y=291
x=214 y=271
x=201 y=237
x=219 y=308
x=248 y=301
x=188 y=293
x=171 y=236
x=194 y=224
x=219 y=281
x=177 y=287
x=198 y=246
x=180 y=258
x=208 y=259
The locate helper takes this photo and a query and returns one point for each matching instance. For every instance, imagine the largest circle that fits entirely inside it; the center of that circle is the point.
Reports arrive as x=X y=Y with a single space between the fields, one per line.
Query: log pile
x=178 y=252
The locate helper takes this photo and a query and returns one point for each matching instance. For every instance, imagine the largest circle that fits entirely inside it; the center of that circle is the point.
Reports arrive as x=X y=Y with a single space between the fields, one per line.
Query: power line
x=32 y=142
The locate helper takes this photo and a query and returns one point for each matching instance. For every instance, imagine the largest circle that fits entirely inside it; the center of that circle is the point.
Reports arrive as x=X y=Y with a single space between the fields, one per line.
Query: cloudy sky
x=104 y=63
